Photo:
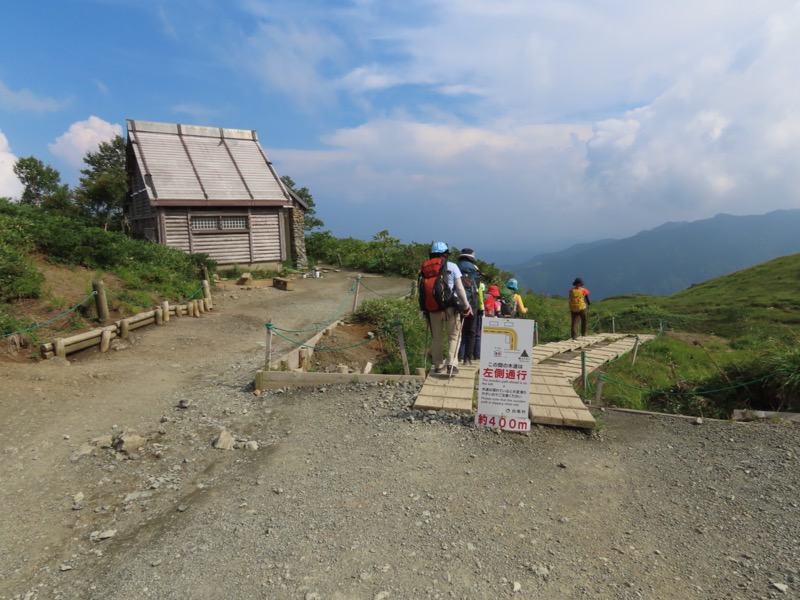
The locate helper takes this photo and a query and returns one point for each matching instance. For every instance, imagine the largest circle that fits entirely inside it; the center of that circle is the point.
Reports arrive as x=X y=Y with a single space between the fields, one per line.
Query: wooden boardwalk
x=553 y=400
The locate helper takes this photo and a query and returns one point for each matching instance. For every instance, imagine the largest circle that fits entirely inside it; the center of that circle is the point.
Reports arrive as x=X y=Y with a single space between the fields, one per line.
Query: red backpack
x=434 y=293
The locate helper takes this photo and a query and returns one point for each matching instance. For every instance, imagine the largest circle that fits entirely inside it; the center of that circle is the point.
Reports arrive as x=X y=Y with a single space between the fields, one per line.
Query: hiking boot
x=452 y=370
x=468 y=361
x=437 y=369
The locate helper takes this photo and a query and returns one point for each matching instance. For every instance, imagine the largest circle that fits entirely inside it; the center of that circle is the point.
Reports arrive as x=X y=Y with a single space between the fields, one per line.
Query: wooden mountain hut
x=211 y=190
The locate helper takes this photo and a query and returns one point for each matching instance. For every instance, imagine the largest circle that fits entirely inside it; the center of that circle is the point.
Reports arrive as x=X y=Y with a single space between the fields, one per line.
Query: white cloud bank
x=82 y=137
x=10 y=186
x=567 y=123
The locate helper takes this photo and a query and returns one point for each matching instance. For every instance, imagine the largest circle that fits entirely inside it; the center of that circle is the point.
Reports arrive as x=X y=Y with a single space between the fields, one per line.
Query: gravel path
x=345 y=492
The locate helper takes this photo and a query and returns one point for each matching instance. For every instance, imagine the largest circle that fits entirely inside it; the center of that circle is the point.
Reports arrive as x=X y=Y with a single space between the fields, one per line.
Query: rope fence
x=53 y=320
x=274 y=330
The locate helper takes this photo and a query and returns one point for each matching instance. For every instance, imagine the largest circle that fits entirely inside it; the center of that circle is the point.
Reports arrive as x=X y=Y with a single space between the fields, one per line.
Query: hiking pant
x=449 y=319
x=467 y=349
x=579 y=316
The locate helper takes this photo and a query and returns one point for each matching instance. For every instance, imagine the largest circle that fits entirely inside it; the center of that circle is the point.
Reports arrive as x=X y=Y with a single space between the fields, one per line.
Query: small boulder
x=224 y=441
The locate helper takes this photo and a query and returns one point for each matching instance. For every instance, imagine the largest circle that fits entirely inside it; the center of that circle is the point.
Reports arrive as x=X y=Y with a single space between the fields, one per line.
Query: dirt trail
x=346 y=492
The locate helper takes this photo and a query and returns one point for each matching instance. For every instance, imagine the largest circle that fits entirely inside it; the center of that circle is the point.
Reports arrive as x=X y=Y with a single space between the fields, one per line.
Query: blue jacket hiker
x=471 y=280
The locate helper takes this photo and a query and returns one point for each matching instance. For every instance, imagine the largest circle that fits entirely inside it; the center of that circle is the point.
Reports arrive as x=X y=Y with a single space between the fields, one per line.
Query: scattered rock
x=129 y=443
x=224 y=441
x=83 y=450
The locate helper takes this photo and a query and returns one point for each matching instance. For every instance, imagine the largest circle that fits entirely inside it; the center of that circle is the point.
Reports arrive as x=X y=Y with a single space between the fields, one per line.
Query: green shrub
x=19 y=275
x=383 y=316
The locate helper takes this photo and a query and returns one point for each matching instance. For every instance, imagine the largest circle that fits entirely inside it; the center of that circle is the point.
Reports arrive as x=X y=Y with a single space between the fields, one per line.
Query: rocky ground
x=346 y=492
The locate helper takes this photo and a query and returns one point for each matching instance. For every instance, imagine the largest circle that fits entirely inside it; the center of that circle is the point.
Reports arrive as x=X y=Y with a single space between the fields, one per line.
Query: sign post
x=505 y=374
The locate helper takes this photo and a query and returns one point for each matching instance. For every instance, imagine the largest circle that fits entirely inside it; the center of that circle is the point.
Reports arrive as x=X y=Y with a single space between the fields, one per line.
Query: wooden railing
x=121 y=329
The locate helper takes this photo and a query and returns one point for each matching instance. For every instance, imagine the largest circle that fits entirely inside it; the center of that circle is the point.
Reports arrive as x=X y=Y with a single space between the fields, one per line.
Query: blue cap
x=512 y=284
x=439 y=248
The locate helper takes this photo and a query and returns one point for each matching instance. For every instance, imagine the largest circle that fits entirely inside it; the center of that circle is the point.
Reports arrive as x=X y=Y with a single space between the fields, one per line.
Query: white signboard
x=505 y=374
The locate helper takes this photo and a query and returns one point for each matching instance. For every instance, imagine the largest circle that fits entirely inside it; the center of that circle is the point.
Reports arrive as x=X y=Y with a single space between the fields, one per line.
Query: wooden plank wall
x=229 y=248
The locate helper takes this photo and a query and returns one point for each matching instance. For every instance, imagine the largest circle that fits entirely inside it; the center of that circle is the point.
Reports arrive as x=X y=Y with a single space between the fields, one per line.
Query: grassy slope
x=713 y=330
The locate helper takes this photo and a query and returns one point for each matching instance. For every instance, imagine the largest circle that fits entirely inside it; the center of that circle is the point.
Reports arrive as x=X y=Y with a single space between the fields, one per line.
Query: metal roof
x=187 y=165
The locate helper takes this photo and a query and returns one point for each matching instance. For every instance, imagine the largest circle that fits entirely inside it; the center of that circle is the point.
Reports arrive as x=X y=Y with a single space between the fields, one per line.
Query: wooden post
x=105 y=340
x=302 y=358
x=178 y=311
x=613 y=325
x=59 y=348
x=355 y=296
x=268 y=358
x=100 y=300
x=159 y=316
x=204 y=269
x=207 y=294
x=402 y=343
x=165 y=311
x=124 y=329
x=598 y=395
x=635 y=349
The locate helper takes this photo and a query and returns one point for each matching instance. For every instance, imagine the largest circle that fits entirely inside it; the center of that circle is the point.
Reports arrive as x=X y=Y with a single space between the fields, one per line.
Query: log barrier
x=121 y=329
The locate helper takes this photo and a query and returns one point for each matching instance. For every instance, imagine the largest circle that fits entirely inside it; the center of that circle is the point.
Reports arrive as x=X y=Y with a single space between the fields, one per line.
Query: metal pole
x=613 y=325
x=355 y=296
x=635 y=349
x=268 y=358
x=584 y=381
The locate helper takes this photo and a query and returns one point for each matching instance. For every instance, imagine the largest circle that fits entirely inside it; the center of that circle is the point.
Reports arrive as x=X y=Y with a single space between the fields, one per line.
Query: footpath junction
x=552 y=399
x=555 y=367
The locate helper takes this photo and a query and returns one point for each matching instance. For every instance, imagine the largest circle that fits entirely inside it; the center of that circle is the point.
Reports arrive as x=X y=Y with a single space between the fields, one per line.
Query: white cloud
x=10 y=186
x=82 y=137
x=26 y=100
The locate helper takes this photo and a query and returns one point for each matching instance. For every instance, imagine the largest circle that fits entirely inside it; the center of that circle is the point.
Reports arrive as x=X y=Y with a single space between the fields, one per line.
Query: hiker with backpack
x=578 y=307
x=511 y=305
x=470 y=278
x=443 y=301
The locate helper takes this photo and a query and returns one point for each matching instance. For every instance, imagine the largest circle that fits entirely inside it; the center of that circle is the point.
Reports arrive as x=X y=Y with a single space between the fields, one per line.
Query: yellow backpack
x=577 y=303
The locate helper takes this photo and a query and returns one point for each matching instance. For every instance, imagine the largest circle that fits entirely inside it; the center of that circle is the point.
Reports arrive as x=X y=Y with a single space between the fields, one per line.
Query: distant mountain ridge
x=666 y=259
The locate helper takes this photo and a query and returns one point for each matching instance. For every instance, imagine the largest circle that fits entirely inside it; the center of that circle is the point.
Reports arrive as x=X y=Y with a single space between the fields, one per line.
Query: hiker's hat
x=467 y=254
x=578 y=281
x=512 y=284
x=494 y=291
x=439 y=248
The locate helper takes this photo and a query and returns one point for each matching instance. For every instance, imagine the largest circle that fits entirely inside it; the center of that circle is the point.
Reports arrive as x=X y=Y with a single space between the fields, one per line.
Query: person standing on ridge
x=438 y=315
x=578 y=306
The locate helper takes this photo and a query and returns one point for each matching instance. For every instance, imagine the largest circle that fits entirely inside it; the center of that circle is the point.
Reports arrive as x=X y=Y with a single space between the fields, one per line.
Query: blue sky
x=510 y=126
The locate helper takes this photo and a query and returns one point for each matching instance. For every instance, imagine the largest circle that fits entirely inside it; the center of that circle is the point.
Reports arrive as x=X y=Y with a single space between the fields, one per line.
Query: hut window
x=239 y=222
x=215 y=223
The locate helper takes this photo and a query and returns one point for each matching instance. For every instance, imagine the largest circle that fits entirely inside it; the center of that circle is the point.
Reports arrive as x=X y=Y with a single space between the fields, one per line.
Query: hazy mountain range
x=666 y=259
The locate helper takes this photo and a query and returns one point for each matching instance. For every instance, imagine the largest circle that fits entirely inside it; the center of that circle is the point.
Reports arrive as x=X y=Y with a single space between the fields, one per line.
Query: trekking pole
x=458 y=343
